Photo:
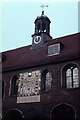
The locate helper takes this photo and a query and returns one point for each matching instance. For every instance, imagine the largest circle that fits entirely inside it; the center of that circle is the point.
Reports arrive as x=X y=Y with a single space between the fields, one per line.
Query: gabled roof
x=25 y=57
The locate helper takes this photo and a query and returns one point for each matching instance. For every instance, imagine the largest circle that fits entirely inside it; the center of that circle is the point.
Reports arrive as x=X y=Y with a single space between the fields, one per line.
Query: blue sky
x=18 y=21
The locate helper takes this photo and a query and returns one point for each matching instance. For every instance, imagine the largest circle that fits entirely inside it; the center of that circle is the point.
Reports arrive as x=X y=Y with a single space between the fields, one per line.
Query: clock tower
x=42 y=31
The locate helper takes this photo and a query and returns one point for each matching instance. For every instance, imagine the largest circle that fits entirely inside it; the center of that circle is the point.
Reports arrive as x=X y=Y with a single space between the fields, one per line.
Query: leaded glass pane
x=48 y=81
x=72 y=77
x=68 y=79
x=75 y=78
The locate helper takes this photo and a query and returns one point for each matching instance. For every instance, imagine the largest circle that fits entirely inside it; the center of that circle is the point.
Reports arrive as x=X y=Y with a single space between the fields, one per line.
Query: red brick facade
x=58 y=97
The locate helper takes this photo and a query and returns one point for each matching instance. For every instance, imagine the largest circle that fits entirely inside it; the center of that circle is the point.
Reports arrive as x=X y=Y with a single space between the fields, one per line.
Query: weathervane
x=43 y=6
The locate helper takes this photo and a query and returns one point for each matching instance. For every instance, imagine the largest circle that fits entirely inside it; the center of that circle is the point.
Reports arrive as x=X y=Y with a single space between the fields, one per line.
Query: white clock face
x=37 y=39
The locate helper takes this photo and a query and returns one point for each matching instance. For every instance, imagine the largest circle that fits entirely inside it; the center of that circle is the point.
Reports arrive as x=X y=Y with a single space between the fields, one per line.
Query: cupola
x=42 y=31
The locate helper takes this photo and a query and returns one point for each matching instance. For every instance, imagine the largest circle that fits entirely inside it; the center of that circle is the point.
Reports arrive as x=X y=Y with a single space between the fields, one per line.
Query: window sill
x=53 y=54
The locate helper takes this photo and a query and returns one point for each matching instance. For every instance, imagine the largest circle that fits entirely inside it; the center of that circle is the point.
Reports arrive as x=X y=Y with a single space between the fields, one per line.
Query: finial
x=43 y=6
x=42 y=12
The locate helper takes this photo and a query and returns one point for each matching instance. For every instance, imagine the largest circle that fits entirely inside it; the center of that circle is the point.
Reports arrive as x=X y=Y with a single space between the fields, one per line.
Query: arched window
x=46 y=80
x=14 y=85
x=71 y=76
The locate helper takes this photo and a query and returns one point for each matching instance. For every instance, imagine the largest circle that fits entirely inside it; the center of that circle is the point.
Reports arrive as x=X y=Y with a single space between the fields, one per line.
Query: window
x=71 y=76
x=46 y=80
x=54 y=49
x=14 y=85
